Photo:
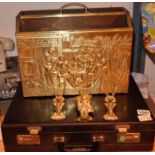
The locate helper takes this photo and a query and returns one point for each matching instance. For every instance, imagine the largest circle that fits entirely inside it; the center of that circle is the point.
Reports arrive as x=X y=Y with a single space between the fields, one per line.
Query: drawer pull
x=122 y=128
x=34 y=130
x=98 y=139
x=60 y=139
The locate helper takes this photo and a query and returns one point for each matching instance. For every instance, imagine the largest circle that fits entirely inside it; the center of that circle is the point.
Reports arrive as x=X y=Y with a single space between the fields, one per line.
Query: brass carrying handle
x=73 y=4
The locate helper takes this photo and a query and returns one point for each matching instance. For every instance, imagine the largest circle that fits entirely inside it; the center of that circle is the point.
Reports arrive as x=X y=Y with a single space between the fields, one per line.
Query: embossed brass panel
x=96 y=60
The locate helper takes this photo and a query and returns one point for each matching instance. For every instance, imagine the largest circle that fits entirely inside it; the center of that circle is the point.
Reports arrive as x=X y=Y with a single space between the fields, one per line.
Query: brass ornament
x=58 y=102
x=85 y=107
x=110 y=103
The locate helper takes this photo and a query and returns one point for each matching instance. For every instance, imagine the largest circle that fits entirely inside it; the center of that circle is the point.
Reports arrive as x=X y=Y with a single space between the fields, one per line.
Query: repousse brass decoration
x=84 y=49
x=81 y=59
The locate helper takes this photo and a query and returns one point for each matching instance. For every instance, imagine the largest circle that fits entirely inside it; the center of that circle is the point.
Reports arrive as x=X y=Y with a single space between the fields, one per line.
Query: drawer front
x=85 y=138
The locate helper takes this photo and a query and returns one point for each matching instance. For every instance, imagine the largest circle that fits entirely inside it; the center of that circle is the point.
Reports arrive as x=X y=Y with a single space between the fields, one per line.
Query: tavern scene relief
x=97 y=63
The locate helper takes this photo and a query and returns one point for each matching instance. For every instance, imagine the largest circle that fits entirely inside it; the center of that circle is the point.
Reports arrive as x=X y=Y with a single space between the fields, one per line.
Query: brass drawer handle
x=60 y=139
x=122 y=127
x=99 y=139
x=34 y=130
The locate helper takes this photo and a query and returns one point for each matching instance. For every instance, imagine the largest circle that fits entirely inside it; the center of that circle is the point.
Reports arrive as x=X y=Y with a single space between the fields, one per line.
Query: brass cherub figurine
x=84 y=106
x=110 y=103
x=58 y=102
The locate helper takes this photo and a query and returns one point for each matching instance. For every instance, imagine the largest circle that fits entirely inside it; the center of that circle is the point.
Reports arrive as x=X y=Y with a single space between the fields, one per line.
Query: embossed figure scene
x=71 y=62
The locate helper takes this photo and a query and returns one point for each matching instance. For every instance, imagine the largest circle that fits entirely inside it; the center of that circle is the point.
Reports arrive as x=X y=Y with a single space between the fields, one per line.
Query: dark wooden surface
x=25 y=112
x=38 y=109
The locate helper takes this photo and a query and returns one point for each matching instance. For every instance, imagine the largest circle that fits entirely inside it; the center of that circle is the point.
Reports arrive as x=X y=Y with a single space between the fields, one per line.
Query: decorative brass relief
x=77 y=60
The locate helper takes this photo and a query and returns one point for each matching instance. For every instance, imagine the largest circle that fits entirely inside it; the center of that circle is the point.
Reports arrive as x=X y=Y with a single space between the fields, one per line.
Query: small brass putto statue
x=84 y=106
x=110 y=103
x=58 y=102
